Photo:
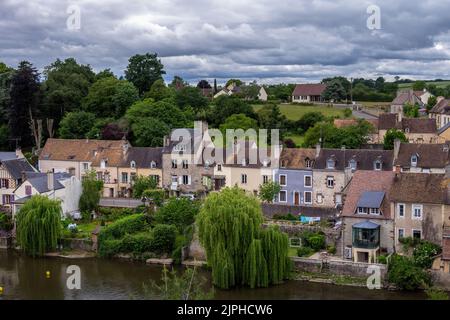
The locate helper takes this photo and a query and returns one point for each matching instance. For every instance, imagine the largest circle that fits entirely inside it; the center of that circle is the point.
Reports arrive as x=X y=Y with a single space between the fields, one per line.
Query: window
x=244 y=162
x=175 y=179
x=219 y=167
x=414 y=160
x=174 y=164
x=28 y=190
x=132 y=176
x=330 y=164
x=185 y=164
x=133 y=165
x=319 y=198
x=186 y=180
x=308 y=197
x=308 y=181
x=308 y=163
x=103 y=164
x=283 y=163
x=401 y=210
x=153 y=164
x=283 y=180
x=243 y=178
x=155 y=177
x=124 y=177
x=417 y=234
x=401 y=233
x=4 y=183
x=7 y=198
x=417 y=211
x=352 y=164
x=362 y=210
x=377 y=165
x=265 y=178
x=85 y=166
x=283 y=196
x=330 y=182
x=374 y=211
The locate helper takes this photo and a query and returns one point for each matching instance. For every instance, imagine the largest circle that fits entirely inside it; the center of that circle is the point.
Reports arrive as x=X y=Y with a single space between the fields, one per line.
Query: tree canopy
x=143 y=70
x=76 y=125
x=390 y=136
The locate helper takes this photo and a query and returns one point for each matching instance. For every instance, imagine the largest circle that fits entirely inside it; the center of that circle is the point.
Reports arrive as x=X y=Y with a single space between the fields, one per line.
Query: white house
x=59 y=186
x=307 y=93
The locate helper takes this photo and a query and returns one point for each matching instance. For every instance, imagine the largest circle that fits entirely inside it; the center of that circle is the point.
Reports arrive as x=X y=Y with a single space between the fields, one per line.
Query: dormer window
x=377 y=165
x=153 y=164
x=330 y=164
x=406 y=130
x=133 y=165
x=414 y=160
x=308 y=163
x=283 y=163
x=103 y=163
x=352 y=164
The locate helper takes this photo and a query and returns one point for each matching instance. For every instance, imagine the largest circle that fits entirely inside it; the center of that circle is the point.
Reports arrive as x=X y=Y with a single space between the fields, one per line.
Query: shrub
x=137 y=243
x=178 y=212
x=142 y=183
x=157 y=195
x=163 y=238
x=424 y=254
x=5 y=222
x=382 y=259
x=436 y=294
x=109 y=248
x=316 y=241
x=289 y=217
x=130 y=224
x=305 y=251
x=331 y=249
x=405 y=274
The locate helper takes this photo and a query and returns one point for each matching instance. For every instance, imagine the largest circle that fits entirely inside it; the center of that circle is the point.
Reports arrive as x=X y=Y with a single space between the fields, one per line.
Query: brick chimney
x=317 y=150
x=397 y=144
x=19 y=153
x=50 y=180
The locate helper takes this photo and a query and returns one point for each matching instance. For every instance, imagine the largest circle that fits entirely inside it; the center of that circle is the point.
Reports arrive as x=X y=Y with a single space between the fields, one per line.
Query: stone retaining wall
x=5 y=242
x=78 y=244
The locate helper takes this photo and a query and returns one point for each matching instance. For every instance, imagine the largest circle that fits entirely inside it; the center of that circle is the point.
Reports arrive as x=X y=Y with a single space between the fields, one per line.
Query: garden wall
x=270 y=209
x=5 y=242
x=345 y=268
x=78 y=244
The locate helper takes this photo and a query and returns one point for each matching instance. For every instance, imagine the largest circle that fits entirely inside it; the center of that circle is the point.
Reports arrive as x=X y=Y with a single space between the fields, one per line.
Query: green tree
x=191 y=97
x=419 y=85
x=269 y=190
x=90 y=197
x=432 y=100
x=164 y=111
x=107 y=73
x=390 y=136
x=203 y=84
x=142 y=183
x=270 y=117
x=334 y=91
x=238 y=121
x=24 y=95
x=425 y=253
x=410 y=110
x=143 y=70
x=237 y=82
x=178 y=212
x=149 y=132
x=66 y=84
x=39 y=225
x=76 y=125
x=158 y=91
x=309 y=120
x=405 y=274
x=226 y=106
x=110 y=97
x=229 y=225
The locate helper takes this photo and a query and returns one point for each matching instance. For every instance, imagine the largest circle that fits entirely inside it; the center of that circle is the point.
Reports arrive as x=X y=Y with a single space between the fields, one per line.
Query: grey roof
x=16 y=166
x=39 y=180
x=6 y=155
x=371 y=199
x=143 y=157
x=366 y=225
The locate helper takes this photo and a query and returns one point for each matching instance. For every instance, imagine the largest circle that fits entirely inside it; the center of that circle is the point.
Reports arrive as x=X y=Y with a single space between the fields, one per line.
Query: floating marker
x=47 y=274
x=1 y=290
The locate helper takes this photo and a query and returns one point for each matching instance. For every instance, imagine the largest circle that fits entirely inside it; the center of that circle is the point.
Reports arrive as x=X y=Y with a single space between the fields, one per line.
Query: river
x=25 y=278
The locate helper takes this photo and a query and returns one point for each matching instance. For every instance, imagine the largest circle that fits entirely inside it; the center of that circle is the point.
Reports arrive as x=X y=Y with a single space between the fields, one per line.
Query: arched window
x=153 y=164
x=133 y=165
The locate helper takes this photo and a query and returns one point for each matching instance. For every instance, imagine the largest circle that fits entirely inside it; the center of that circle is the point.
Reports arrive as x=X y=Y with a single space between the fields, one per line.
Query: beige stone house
x=334 y=168
x=367 y=220
x=418 y=202
x=408 y=97
x=441 y=112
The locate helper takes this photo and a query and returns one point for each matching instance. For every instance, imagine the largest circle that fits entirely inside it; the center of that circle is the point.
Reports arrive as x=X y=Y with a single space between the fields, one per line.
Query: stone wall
x=346 y=268
x=270 y=209
x=5 y=242
x=78 y=244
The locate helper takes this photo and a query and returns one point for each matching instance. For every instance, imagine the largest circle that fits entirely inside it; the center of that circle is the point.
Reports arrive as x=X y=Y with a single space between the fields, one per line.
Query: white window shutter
x=189 y=180
x=180 y=180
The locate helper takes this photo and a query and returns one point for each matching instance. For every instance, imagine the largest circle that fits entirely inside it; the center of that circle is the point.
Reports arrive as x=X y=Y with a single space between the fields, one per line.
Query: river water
x=25 y=278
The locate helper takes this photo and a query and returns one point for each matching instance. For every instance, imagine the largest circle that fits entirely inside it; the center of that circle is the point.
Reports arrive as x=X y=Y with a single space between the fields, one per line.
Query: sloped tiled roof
x=387 y=121
x=442 y=107
x=365 y=158
x=143 y=157
x=309 y=89
x=429 y=155
x=295 y=158
x=39 y=180
x=419 y=125
x=15 y=167
x=419 y=188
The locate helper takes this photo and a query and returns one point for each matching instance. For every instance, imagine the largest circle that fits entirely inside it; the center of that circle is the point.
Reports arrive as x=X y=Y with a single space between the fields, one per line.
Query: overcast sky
x=268 y=41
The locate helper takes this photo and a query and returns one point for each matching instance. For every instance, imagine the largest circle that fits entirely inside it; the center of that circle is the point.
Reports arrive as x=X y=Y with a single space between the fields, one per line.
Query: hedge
x=129 y=224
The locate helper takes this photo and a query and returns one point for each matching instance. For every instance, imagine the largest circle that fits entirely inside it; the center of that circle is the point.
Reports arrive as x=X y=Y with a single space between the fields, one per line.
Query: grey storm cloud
x=284 y=41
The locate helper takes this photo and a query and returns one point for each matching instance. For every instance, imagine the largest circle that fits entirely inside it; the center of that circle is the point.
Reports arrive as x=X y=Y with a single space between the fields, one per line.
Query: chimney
x=19 y=153
x=397 y=144
x=166 y=141
x=397 y=171
x=125 y=147
x=50 y=180
x=317 y=150
x=23 y=176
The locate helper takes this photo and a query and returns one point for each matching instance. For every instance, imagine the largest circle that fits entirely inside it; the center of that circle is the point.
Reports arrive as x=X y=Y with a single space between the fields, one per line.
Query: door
x=296 y=198
x=111 y=192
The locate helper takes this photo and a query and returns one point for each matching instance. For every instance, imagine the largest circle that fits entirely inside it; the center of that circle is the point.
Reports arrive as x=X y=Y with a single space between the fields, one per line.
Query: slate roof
x=429 y=155
x=371 y=199
x=6 y=155
x=309 y=89
x=407 y=97
x=366 y=225
x=365 y=158
x=15 y=167
x=143 y=157
x=388 y=121
x=295 y=158
x=419 y=188
x=368 y=181
x=39 y=180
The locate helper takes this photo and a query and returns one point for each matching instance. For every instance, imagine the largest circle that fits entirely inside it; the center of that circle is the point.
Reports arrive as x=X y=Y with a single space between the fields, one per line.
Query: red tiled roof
x=309 y=89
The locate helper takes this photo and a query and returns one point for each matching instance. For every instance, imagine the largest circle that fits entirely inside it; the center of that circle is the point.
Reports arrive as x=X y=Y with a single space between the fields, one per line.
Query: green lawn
x=296 y=111
x=298 y=139
x=438 y=84
x=292 y=252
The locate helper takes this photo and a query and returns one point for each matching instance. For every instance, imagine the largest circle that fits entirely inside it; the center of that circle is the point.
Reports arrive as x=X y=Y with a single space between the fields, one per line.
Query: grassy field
x=439 y=84
x=295 y=112
x=298 y=139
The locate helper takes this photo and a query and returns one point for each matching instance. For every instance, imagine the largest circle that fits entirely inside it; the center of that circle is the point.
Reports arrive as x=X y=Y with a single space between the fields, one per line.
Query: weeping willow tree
x=237 y=248
x=39 y=225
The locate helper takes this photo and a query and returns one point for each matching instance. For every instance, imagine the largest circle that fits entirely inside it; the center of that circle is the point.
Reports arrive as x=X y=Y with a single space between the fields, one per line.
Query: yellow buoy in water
x=47 y=274
x=1 y=290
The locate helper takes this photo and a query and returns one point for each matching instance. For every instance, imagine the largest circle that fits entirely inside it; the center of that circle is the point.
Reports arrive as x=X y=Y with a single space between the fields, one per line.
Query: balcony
x=366 y=235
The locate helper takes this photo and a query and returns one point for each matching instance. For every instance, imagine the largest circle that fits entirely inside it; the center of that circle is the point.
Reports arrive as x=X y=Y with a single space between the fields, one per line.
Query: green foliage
x=268 y=191
x=347 y=112
x=187 y=286
x=404 y=273
x=143 y=70
x=156 y=195
x=158 y=91
x=432 y=100
x=419 y=85
x=76 y=125
x=191 y=97
x=39 y=225
x=289 y=217
x=163 y=238
x=434 y=293
x=91 y=194
x=390 y=136
x=334 y=91
x=238 y=121
x=305 y=251
x=137 y=243
x=382 y=259
x=229 y=225
x=5 y=221
x=129 y=224
x=411 y=111
x=274 y=246
x=424 y=254
x=226 y=106
x=331 y=249
x=270 y=117
x=149 y=132
x=314 y=240
x=113 y=214
x=110 y=97
x=178 y=212
x=142 y=183
x=308 y=120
